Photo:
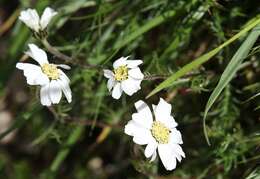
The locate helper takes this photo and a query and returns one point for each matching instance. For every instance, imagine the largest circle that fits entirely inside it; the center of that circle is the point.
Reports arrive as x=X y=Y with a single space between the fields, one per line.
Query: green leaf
x=231 y=70
x=199 y=61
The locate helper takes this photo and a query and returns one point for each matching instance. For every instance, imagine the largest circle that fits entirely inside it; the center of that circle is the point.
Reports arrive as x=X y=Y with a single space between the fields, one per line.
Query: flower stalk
x=66 y=58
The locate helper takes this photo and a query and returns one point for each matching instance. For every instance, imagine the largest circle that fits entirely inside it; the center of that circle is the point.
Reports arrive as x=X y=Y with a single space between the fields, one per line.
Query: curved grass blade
x=251 y=98
x=199 y=61
x=230 y=71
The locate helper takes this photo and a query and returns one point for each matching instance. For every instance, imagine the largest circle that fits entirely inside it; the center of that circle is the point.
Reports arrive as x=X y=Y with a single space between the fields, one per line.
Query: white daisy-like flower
x=31 y=18
x=52 y=80
x=159 y=134
x=126 y=77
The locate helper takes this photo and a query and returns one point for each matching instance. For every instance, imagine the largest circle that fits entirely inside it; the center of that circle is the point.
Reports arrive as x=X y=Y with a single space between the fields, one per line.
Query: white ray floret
x=159 y=134
x=53 y=81
x=126 y=77
x=31 y=18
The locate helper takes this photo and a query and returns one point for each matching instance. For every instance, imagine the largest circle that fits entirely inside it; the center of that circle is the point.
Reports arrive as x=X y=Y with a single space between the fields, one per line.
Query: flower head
x=126 y=77
x=159 y=134
x=52 y=80
x=31 y=18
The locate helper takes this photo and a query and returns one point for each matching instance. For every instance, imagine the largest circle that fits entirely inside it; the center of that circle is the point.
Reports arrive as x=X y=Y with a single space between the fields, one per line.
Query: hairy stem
x=55 y=52
x=66 y=58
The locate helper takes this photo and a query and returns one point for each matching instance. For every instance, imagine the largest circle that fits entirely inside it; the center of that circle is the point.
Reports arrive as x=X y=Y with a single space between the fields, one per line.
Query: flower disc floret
x=160 y=132
x=121 y=73
x=51 y=71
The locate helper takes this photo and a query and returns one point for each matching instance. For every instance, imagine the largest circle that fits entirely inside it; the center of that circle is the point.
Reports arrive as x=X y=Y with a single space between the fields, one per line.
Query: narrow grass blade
x=199 y=61
x=230 y=71
x=252 y=97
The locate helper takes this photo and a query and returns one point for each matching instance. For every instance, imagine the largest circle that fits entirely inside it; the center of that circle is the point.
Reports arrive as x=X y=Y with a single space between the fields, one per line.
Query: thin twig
x=163 y=77
x=75 y=120
x=155 y=77
x=66 y=58
x=55 y=52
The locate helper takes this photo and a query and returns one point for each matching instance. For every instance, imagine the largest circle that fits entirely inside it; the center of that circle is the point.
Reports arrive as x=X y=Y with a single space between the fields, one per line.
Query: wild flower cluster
x=157 y=129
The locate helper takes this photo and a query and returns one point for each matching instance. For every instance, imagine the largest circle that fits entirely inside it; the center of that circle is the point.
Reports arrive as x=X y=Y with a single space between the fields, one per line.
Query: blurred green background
x=85 y=139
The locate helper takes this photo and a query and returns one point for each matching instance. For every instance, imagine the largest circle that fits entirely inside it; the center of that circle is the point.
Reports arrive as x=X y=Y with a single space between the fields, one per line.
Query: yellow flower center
x=51 y=71
x=121 y=73
x=160 y=132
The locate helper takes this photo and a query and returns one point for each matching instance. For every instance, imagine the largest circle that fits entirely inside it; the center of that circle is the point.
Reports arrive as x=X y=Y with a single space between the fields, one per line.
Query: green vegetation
x=202 y=56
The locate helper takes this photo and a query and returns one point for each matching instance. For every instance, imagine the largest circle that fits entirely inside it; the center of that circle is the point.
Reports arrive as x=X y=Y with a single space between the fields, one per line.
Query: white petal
x=63 y=76
x=31 y=18
x=165 y=153
x=117 y=91
x=150 y=148
x=162 y=113
x=178 y=156
x=143 y=120
x=175 y=137
x=66 y=89
x=153 y=156
x=144 y=110
x=44 y=95
x=120 y=62
x=46 y=17
x=167 y=120
x=55 y=91
x=162 y=108
x=37 y=54
x=142 y=136
x=110 y=84
x=170 y=122
x=42 y=79
x=64 y=66
x=33 y=74
x=154 y=107
x=130 y=86
x=136 y=73
x=133 y=63
x=108 y=73
x=177 y=149
x=131 y=127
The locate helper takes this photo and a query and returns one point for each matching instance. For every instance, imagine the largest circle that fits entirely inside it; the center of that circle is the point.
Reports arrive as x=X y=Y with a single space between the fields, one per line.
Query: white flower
x=160 y=133
x=31 y=18
x=126 y=77
x=51 y=79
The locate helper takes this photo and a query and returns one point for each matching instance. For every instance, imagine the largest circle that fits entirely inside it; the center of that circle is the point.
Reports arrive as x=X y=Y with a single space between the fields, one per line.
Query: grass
x=204 y=53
